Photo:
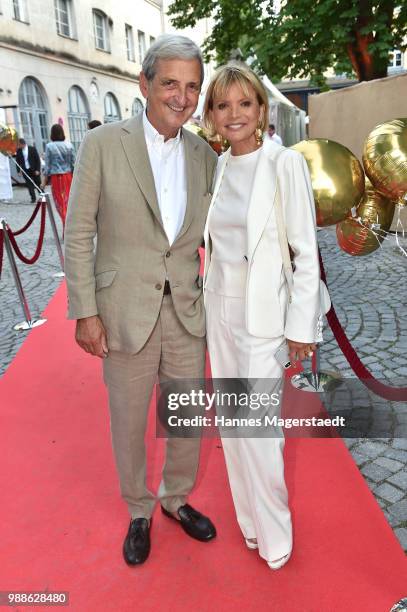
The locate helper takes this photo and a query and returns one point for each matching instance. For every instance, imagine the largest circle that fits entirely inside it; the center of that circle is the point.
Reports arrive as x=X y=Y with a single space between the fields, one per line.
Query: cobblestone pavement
x=369 y=297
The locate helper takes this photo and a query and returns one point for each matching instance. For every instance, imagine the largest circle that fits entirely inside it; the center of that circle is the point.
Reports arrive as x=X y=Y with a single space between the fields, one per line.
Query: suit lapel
x=261 y=200
x=219 y=174
x=135 y=148
x=193 y=177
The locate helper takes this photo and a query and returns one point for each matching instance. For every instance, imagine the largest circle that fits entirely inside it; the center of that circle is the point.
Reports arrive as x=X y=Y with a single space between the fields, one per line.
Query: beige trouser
x=255 y=465
x=170 y=352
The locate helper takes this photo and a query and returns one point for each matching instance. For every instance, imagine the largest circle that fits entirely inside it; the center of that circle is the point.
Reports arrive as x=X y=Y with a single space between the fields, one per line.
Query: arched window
x=137 y=107
x=33 y=107
x=78 y=115
x=112 y=109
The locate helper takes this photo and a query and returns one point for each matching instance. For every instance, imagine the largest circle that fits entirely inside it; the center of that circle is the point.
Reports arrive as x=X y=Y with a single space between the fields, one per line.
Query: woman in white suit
x=249 y=313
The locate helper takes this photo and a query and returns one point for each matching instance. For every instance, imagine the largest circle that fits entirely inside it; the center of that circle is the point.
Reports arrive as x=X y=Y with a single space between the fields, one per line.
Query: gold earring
x=259 y=135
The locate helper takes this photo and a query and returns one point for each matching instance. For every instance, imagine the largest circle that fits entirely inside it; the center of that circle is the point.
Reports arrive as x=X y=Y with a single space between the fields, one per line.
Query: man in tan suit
x=142 y=186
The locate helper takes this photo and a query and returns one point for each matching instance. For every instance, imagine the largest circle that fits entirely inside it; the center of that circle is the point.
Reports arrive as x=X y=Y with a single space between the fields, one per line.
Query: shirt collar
x=154 y=137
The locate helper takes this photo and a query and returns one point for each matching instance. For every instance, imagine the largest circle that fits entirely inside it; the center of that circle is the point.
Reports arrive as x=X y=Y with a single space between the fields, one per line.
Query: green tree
x=305 y=37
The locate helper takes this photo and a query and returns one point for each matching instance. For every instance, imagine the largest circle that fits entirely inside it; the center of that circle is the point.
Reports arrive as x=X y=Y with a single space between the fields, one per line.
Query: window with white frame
x=20 y=11
x=33 y=107
x=64 y=18
x=141 y=45
x=395 y=59
x=78 y=115
x=131 y=56
x=101 y=31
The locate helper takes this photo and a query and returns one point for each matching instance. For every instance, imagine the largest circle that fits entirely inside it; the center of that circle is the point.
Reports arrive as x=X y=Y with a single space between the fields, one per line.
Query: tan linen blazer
x=120 y=276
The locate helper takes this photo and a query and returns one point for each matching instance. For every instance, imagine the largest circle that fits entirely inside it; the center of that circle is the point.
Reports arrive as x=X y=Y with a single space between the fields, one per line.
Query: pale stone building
x=70 y=61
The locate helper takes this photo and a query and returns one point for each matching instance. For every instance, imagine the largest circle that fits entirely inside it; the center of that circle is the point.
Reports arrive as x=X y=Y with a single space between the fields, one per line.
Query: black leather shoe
x=136 y=546
x=193 y=523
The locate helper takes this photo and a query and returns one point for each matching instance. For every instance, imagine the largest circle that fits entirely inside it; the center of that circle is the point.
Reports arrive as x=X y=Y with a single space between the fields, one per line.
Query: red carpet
x=63 y=521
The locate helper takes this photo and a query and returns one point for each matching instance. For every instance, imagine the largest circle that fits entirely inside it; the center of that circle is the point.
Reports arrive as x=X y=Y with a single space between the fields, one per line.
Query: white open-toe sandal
x=251 y=543
x=275 y=565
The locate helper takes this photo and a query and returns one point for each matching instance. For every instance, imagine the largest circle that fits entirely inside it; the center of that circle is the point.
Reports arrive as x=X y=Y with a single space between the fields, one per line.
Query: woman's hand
x=300 y=350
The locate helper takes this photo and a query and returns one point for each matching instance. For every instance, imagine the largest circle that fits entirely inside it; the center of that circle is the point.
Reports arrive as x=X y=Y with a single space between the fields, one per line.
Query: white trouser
x=255 y=465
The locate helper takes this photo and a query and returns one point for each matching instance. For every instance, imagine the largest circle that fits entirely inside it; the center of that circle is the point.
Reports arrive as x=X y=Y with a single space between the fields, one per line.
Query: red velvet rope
x=30 y=221
x=37 y=253
x=396 y=394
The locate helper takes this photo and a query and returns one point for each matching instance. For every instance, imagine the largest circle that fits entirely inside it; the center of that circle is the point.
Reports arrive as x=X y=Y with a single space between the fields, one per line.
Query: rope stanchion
x=30 y=220
x=28 y=322
x=397 y=394
x=314 y=380
x=45 y=198
x=34 y=258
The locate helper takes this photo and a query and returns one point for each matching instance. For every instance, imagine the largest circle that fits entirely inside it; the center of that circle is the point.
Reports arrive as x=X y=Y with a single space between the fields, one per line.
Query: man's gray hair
x=170 y=46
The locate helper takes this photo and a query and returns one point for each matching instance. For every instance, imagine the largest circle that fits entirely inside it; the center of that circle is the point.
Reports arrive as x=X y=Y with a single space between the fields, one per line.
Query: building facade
x=70 y=61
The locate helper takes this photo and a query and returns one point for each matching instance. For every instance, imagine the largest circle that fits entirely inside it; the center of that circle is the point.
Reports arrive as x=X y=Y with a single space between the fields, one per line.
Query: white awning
x=276 y=93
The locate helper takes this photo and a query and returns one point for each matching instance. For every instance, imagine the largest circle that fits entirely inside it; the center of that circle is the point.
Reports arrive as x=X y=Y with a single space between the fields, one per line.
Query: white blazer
x=267 y=315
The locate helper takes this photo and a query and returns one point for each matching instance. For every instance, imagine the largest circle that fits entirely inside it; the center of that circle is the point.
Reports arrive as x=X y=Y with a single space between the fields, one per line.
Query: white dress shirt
x=167 y=161
x=25 y=155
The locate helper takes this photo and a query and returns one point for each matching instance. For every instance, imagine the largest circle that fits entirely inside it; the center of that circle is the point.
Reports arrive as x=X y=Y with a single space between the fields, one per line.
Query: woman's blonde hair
x=224 y=77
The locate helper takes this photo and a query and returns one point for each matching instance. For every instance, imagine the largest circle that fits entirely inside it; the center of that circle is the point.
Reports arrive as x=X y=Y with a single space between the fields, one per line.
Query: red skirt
x=61 y=186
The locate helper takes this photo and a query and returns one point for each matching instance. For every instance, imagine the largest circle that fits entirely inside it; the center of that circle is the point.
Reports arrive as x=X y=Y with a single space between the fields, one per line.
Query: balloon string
x=399 y=224
x=369 y=229
x=379 y=233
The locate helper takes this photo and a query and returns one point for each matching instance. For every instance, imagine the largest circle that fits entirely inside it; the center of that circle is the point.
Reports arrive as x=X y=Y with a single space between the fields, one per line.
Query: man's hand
x=91 y=336
x=300 y=350
x=37 y=173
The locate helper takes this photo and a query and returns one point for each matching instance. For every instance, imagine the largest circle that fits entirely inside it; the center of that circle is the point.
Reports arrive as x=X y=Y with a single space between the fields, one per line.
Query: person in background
x=272 y=134
x=59 y=163
x=28 y=158
x=94 y=124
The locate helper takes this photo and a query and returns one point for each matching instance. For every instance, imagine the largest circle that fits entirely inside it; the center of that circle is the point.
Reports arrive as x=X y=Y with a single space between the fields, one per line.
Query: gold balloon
x=385 y=159
x=365 y=236
x=8 y=140
x=337 y=178
x=375 y=209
